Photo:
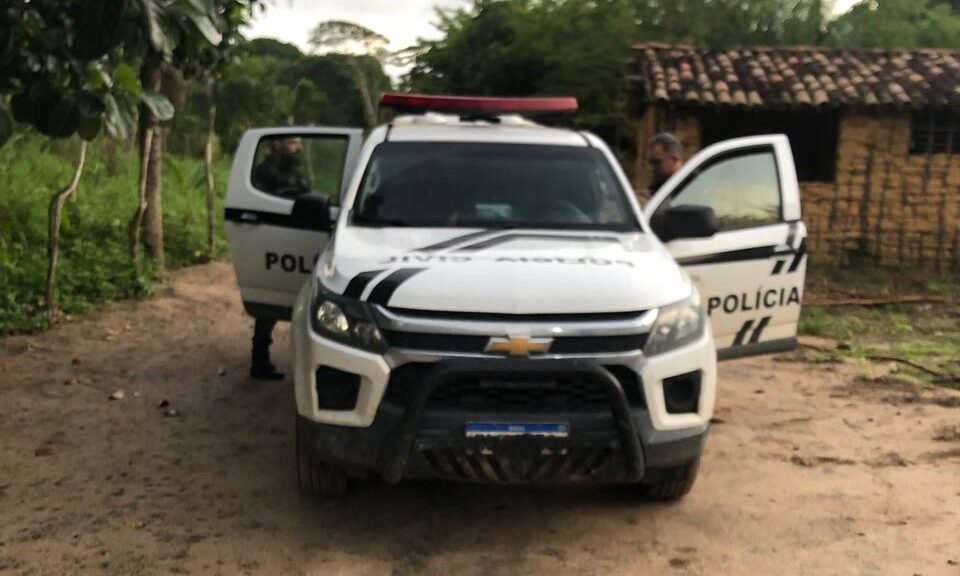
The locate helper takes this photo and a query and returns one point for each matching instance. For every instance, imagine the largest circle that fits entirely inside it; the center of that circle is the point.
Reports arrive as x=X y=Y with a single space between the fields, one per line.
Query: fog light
x=682 y=393
x=336 y=389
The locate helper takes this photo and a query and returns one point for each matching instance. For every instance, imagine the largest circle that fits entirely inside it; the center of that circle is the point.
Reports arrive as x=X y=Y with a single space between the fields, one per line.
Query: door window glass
x=291 y=165
x=743 y=190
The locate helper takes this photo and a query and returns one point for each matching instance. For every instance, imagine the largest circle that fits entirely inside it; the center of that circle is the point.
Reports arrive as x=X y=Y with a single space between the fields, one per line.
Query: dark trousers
x=262 y=339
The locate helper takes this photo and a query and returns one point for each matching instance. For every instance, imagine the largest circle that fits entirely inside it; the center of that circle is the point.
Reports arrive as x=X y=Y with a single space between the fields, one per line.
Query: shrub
x=94 y=264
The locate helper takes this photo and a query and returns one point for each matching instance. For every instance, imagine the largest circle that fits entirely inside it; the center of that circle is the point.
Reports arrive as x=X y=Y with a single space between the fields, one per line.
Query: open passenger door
x=750 y=273
x=284 y=187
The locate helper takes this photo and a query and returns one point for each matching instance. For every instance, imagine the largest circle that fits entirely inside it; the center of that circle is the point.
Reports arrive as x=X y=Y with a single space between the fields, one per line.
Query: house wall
x=885 y=207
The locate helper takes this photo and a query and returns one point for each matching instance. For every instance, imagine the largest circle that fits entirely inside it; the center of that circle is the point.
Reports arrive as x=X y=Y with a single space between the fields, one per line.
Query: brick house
x=875 y=136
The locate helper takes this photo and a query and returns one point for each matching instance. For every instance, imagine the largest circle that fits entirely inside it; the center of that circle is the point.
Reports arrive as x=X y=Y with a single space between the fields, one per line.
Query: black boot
x=265 y=372
x=260 y=366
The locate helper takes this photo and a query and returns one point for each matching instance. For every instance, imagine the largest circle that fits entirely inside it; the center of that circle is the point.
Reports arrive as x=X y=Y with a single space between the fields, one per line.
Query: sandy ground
x=810 y=468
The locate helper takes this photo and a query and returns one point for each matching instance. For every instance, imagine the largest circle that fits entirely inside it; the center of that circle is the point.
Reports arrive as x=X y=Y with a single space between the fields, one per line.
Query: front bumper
x=407 y=440
x=401 y=436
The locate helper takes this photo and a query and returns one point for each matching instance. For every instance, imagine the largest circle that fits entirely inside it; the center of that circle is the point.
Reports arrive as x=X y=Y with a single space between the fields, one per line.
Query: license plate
x=551 y=429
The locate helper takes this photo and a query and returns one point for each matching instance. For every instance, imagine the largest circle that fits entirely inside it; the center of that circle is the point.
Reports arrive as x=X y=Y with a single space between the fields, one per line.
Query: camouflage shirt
x=282 y=178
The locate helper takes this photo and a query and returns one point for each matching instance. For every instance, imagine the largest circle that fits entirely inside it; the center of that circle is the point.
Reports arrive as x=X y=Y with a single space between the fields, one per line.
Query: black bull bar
x=396 y=454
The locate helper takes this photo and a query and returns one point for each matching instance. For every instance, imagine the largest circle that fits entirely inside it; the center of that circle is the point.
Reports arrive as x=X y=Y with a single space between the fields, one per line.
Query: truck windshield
x=452 y=184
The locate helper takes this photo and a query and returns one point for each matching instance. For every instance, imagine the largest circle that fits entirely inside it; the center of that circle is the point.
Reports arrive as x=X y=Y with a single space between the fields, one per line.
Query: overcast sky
x=402 y=21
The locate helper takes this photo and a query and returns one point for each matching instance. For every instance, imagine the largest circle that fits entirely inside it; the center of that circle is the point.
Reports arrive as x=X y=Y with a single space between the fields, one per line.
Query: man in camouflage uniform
x=279 y=174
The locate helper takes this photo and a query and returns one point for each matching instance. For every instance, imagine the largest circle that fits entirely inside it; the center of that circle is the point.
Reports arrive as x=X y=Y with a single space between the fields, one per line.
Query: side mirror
x=311 y=212
x=685 y=222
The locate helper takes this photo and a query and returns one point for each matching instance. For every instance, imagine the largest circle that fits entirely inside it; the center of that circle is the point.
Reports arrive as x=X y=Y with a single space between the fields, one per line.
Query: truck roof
x=506 y=129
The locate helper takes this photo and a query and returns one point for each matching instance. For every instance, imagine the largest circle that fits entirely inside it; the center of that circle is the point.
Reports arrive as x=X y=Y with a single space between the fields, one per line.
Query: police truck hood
x=513 y=271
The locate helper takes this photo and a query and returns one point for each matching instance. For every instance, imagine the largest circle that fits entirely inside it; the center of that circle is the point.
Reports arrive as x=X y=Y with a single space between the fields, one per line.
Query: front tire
x=670 y=484
x=318 y=479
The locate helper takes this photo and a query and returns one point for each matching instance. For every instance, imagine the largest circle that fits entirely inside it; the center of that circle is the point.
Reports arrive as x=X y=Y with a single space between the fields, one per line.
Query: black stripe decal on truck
x=801 y=252
x=755 y=335
x=759 y=253
x=244 y=216
x=758 y=331
x=359 y=282
x=384 y=289
x=738 y=339
x=454 y=241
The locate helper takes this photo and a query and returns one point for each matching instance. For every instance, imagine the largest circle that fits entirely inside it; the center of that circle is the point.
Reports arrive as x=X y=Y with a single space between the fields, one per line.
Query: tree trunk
x=55 y=217
x=208 y=163
x=369 y=113
x=136 y=223
x=153 y=217
x=151 y=221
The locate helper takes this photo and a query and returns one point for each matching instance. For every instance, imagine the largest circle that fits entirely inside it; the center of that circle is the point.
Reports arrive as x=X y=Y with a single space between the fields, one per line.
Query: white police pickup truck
x=491 y=304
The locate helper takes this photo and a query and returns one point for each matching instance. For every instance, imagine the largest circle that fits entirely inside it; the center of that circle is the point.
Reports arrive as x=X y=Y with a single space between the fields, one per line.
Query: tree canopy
x=582 y=47
x=272 y=83
x=576 y=47
x=897 y=24
x=76 y=66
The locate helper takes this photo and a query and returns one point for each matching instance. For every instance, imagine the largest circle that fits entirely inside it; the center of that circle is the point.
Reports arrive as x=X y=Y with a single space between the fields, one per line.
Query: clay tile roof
x=797 y=77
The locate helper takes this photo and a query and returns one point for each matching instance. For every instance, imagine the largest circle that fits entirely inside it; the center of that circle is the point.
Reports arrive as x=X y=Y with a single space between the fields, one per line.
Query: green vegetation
x=95 y=265
x=177 y=73
x=581 y=47
x=897 y=24
x=271 y=83
x=927 y=334
x=576 y=47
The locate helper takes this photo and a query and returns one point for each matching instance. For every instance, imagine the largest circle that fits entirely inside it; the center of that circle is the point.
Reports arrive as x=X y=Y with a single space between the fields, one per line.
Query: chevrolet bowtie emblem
x=518 y=345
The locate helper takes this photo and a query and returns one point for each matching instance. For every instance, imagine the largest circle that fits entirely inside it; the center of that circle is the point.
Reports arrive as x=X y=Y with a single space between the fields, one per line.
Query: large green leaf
x=161 y=108
x=202 y=14
x=97 y=77
x=127 y=78
x=6 y=124
x=201 y=6
x=118 y=119
x=205 y=26
x=151 y=12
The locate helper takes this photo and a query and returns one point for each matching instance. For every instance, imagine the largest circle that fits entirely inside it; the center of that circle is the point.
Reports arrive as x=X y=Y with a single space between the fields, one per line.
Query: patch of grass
x=879 y=281
x=94 y=264
x=925 y=333
x=939 y=287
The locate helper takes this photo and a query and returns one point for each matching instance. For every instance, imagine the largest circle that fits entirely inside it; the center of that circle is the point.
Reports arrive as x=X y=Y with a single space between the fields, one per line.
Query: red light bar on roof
x=477 y=104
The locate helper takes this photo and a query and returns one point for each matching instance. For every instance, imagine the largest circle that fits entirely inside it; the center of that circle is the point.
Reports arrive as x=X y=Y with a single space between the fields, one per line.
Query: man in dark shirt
x=665 y=156
x=279 y=174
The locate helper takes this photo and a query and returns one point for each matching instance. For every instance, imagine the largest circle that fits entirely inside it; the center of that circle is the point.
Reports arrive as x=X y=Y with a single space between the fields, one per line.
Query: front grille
x=405 y=382
x=491 y=465
x=503 y=317
x=436 y=342
x=467 y=344
x=598 y=344
x=518 y=395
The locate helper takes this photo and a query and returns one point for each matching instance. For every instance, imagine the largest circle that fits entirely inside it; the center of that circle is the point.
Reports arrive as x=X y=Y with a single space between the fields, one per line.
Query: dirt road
x=810 y=468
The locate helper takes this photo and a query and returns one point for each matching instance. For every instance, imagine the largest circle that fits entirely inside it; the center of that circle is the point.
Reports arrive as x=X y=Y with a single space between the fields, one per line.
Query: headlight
x=344 y=320
x=677 y=325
